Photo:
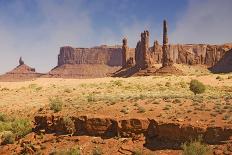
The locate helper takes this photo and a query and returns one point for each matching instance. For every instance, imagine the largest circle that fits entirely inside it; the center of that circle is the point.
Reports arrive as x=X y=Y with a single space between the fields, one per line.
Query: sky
x=36 y=29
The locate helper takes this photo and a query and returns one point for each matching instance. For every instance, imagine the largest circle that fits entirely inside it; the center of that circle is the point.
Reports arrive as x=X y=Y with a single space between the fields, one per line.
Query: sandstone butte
x=123 y=61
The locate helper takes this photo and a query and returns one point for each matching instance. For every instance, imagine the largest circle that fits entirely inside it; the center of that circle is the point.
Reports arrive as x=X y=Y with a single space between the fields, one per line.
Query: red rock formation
x=132 y=127
x=20 y=73
x=166 y=53
x=111 y=56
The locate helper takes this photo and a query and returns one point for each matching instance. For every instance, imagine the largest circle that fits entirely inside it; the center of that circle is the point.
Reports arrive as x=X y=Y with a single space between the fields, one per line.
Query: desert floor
x=167 y=99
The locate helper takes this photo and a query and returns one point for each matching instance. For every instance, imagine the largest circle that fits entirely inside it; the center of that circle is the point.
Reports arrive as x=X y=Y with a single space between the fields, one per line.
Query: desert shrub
x=67 y=90
x=69 y=124
x=56 y=104
x=137 y=152
x=182 y=84
x=21 y=127
x=141 y=110
x=197 y=87
x=168 y=84
x=97 y=151
x=91 y=97
x=156 y=102
x=5 y=126
x=196 y=147
x=32 y=86
x=117 y=82
x=176 y=100
x=230 y=77
x=3 y=118
x=125 y=111
x=219 y=78
x=72 y=151
x=7 y=138
x=39 y=88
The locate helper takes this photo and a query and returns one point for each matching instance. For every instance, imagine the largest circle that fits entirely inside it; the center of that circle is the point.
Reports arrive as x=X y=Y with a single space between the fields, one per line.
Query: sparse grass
x=219 y=78
x=21 y=127
x=8 y=138
x=97 y=151
x=69 y=125
x=168 y=84
x=196 y=147
x=71 y=151
x=125 y=111
x=176 y=100
x=15 y=128
x=91 y=97
x=137 y=152
x=67 y=90
x=56 y=104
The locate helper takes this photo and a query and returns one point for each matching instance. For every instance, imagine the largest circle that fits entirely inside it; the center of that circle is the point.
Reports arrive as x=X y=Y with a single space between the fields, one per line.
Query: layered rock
x=20 y=73
x=131 y=127
x=142 y=51
x=111 y=56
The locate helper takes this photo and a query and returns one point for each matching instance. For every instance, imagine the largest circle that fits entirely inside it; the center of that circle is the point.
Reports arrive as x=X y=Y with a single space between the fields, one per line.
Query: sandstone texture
x=131 y=127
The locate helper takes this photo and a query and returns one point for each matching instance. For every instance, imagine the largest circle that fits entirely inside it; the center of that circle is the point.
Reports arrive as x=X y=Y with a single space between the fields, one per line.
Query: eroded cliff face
x=111 y=56
x=191 y=54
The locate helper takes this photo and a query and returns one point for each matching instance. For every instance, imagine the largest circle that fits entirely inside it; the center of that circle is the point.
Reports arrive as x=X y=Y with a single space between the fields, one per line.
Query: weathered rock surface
x=132 y=127
x=111 y=56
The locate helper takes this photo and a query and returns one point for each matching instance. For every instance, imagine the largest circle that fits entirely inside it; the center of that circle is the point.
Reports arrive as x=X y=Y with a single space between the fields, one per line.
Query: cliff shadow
x=126 y=72
x=224 y=65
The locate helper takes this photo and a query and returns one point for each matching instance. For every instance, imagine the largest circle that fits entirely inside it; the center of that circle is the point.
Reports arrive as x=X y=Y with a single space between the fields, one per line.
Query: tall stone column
x=21 y=62
x=145 y=49
x=165 y=45
x=125 y=51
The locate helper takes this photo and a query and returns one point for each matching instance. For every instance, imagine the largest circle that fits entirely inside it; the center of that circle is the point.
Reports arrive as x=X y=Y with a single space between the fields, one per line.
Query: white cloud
x=205 y=21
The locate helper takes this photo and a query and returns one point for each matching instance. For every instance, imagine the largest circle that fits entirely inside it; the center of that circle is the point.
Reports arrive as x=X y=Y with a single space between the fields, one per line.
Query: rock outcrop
x=131 y=127
x=167 y=62
x=127 y=59
x=142 y=51
x=20 y=73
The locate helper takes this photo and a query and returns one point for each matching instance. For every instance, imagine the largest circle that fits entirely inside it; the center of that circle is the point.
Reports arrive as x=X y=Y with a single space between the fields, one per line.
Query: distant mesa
x=124 y=61
x=20 y=73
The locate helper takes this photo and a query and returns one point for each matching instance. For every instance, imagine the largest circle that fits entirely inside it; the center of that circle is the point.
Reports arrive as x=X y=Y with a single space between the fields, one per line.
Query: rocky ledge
x=131 y=127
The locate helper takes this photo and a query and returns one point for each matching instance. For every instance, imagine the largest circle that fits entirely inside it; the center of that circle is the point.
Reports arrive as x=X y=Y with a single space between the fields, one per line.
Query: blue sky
x=36 y=29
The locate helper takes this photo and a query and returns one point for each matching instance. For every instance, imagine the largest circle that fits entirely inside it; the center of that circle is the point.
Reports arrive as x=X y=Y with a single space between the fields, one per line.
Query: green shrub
x=21 y=127
x=56 y=104
x=7 y=138
x=197 y=87
x=196 y=147
x=3 y=118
